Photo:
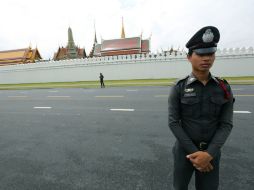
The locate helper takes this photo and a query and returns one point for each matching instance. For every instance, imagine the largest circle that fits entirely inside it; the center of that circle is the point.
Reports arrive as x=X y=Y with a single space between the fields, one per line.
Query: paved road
x=77 y=139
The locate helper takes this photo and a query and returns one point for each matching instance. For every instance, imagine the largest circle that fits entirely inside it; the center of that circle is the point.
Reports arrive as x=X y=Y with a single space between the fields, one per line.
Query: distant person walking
x=102 y=80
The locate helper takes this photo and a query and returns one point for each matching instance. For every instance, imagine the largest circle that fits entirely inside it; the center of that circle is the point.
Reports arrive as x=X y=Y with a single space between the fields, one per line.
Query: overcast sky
x=44 y=23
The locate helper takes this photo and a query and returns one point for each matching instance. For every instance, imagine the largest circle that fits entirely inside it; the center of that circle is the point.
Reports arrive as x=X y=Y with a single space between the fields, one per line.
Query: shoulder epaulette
x=222 y=79
x=225 y=81
x=224 y=88
x=181 y=79
x=219 y=78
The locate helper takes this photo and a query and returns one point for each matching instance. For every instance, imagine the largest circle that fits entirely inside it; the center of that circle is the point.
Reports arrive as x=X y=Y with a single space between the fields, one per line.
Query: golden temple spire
x=95 y=37
x=123 y=33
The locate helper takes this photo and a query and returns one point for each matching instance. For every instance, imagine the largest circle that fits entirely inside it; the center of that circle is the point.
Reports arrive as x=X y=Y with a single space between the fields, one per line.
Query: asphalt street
x=106 y=139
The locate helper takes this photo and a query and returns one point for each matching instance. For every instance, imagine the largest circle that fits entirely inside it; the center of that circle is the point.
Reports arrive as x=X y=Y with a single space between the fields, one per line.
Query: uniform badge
x=191 y=79
x=208 y=36
x=189 y=90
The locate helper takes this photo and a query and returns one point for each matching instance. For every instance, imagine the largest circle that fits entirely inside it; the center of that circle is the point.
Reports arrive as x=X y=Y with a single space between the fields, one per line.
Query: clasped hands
x=201 y=160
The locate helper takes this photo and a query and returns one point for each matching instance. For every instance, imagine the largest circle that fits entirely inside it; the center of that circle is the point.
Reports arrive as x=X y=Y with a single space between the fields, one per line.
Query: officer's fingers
x=199 y=167
x=202 y=169
x=194 y=162
x=193 y=155
x=195 y=165
x=191 y=159
x=210 y=166
x=189 y=156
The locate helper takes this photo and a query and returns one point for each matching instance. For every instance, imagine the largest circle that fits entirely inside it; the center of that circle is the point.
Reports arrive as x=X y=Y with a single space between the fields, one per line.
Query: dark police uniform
x=200 y=117
x=101 y=80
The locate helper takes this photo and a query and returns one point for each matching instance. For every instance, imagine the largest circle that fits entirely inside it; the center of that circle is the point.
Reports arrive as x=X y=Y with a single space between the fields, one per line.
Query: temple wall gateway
x=229 y=62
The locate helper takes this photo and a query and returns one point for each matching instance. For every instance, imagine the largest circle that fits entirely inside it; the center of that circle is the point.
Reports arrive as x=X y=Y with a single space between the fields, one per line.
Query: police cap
x=204 y=41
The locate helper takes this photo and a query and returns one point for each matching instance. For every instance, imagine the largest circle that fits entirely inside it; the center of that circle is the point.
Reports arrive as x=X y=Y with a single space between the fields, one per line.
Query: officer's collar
x=192 y=78
x=214 y=78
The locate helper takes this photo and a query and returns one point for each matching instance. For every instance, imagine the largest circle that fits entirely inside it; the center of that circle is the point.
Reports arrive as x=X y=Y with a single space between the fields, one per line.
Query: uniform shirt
x=198 y=112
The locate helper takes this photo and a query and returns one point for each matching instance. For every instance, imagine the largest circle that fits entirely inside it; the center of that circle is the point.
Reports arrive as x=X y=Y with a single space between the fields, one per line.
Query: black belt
x=202 y=146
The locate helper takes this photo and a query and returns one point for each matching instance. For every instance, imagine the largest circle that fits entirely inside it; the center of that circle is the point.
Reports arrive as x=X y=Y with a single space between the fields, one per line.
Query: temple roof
x=62 y=53
x=12 y=54
x=18 y=56
x=145 y=45
x=121 y=44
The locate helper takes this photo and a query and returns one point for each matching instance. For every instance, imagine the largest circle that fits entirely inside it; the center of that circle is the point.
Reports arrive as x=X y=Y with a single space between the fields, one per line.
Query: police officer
x=200 y=116
x=102 y=80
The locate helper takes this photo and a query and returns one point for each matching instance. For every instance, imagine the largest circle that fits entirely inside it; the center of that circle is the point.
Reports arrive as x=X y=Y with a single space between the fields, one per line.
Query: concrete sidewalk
x=108 y=84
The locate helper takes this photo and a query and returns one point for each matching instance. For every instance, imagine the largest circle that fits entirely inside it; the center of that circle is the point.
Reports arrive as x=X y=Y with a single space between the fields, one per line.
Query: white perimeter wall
x=228 y=63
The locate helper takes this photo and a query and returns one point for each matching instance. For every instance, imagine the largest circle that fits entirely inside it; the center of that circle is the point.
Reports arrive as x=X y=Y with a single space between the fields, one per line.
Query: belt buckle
x=202 y=146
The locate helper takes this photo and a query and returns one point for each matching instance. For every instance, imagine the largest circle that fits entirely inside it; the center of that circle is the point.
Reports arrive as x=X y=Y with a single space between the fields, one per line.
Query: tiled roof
x=18 y=56
x=121 y=44
x=12 y=54
x=145 y=45
x=62 y=53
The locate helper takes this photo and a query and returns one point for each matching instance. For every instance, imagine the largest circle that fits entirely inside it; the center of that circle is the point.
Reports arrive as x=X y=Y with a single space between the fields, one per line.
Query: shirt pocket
x=216 y=104
x=190 y=106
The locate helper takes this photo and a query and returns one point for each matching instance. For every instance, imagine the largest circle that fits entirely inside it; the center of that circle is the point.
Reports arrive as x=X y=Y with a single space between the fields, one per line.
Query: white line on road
x=122 y=109
x=109 y=96
x=53 y=91
x=17 y=96
x=237 y=89
x=242 y=112
x=42 y=107
x=159 y=96
x=86 y=90
x=58 y=96
x=131 y=90
x=244 y=95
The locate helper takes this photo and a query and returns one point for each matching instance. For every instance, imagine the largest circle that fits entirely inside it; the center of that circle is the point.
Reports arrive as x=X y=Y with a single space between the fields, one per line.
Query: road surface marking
x=159 y=96
x=53 y=91
x=246 y=95
x=17 y=96
x=242 y=112
x=109 y=96
x=58 y=96
x=42 y=107
x=132 y=90
x=122 y=109
x=237 y=89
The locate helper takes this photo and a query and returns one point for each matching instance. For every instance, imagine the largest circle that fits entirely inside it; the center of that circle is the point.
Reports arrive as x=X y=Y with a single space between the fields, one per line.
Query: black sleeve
x=174 y=121
x=225 y=126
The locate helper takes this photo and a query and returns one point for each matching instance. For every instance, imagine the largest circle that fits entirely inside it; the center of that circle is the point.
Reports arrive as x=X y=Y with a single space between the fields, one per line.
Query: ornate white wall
x=229 y=62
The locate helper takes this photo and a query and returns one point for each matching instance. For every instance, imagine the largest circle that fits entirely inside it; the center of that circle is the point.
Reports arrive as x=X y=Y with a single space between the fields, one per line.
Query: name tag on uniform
x=189 y=92
x=193 y=94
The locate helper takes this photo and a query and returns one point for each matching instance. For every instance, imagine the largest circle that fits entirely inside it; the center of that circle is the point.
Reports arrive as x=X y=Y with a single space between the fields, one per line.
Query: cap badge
x=208 y=36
